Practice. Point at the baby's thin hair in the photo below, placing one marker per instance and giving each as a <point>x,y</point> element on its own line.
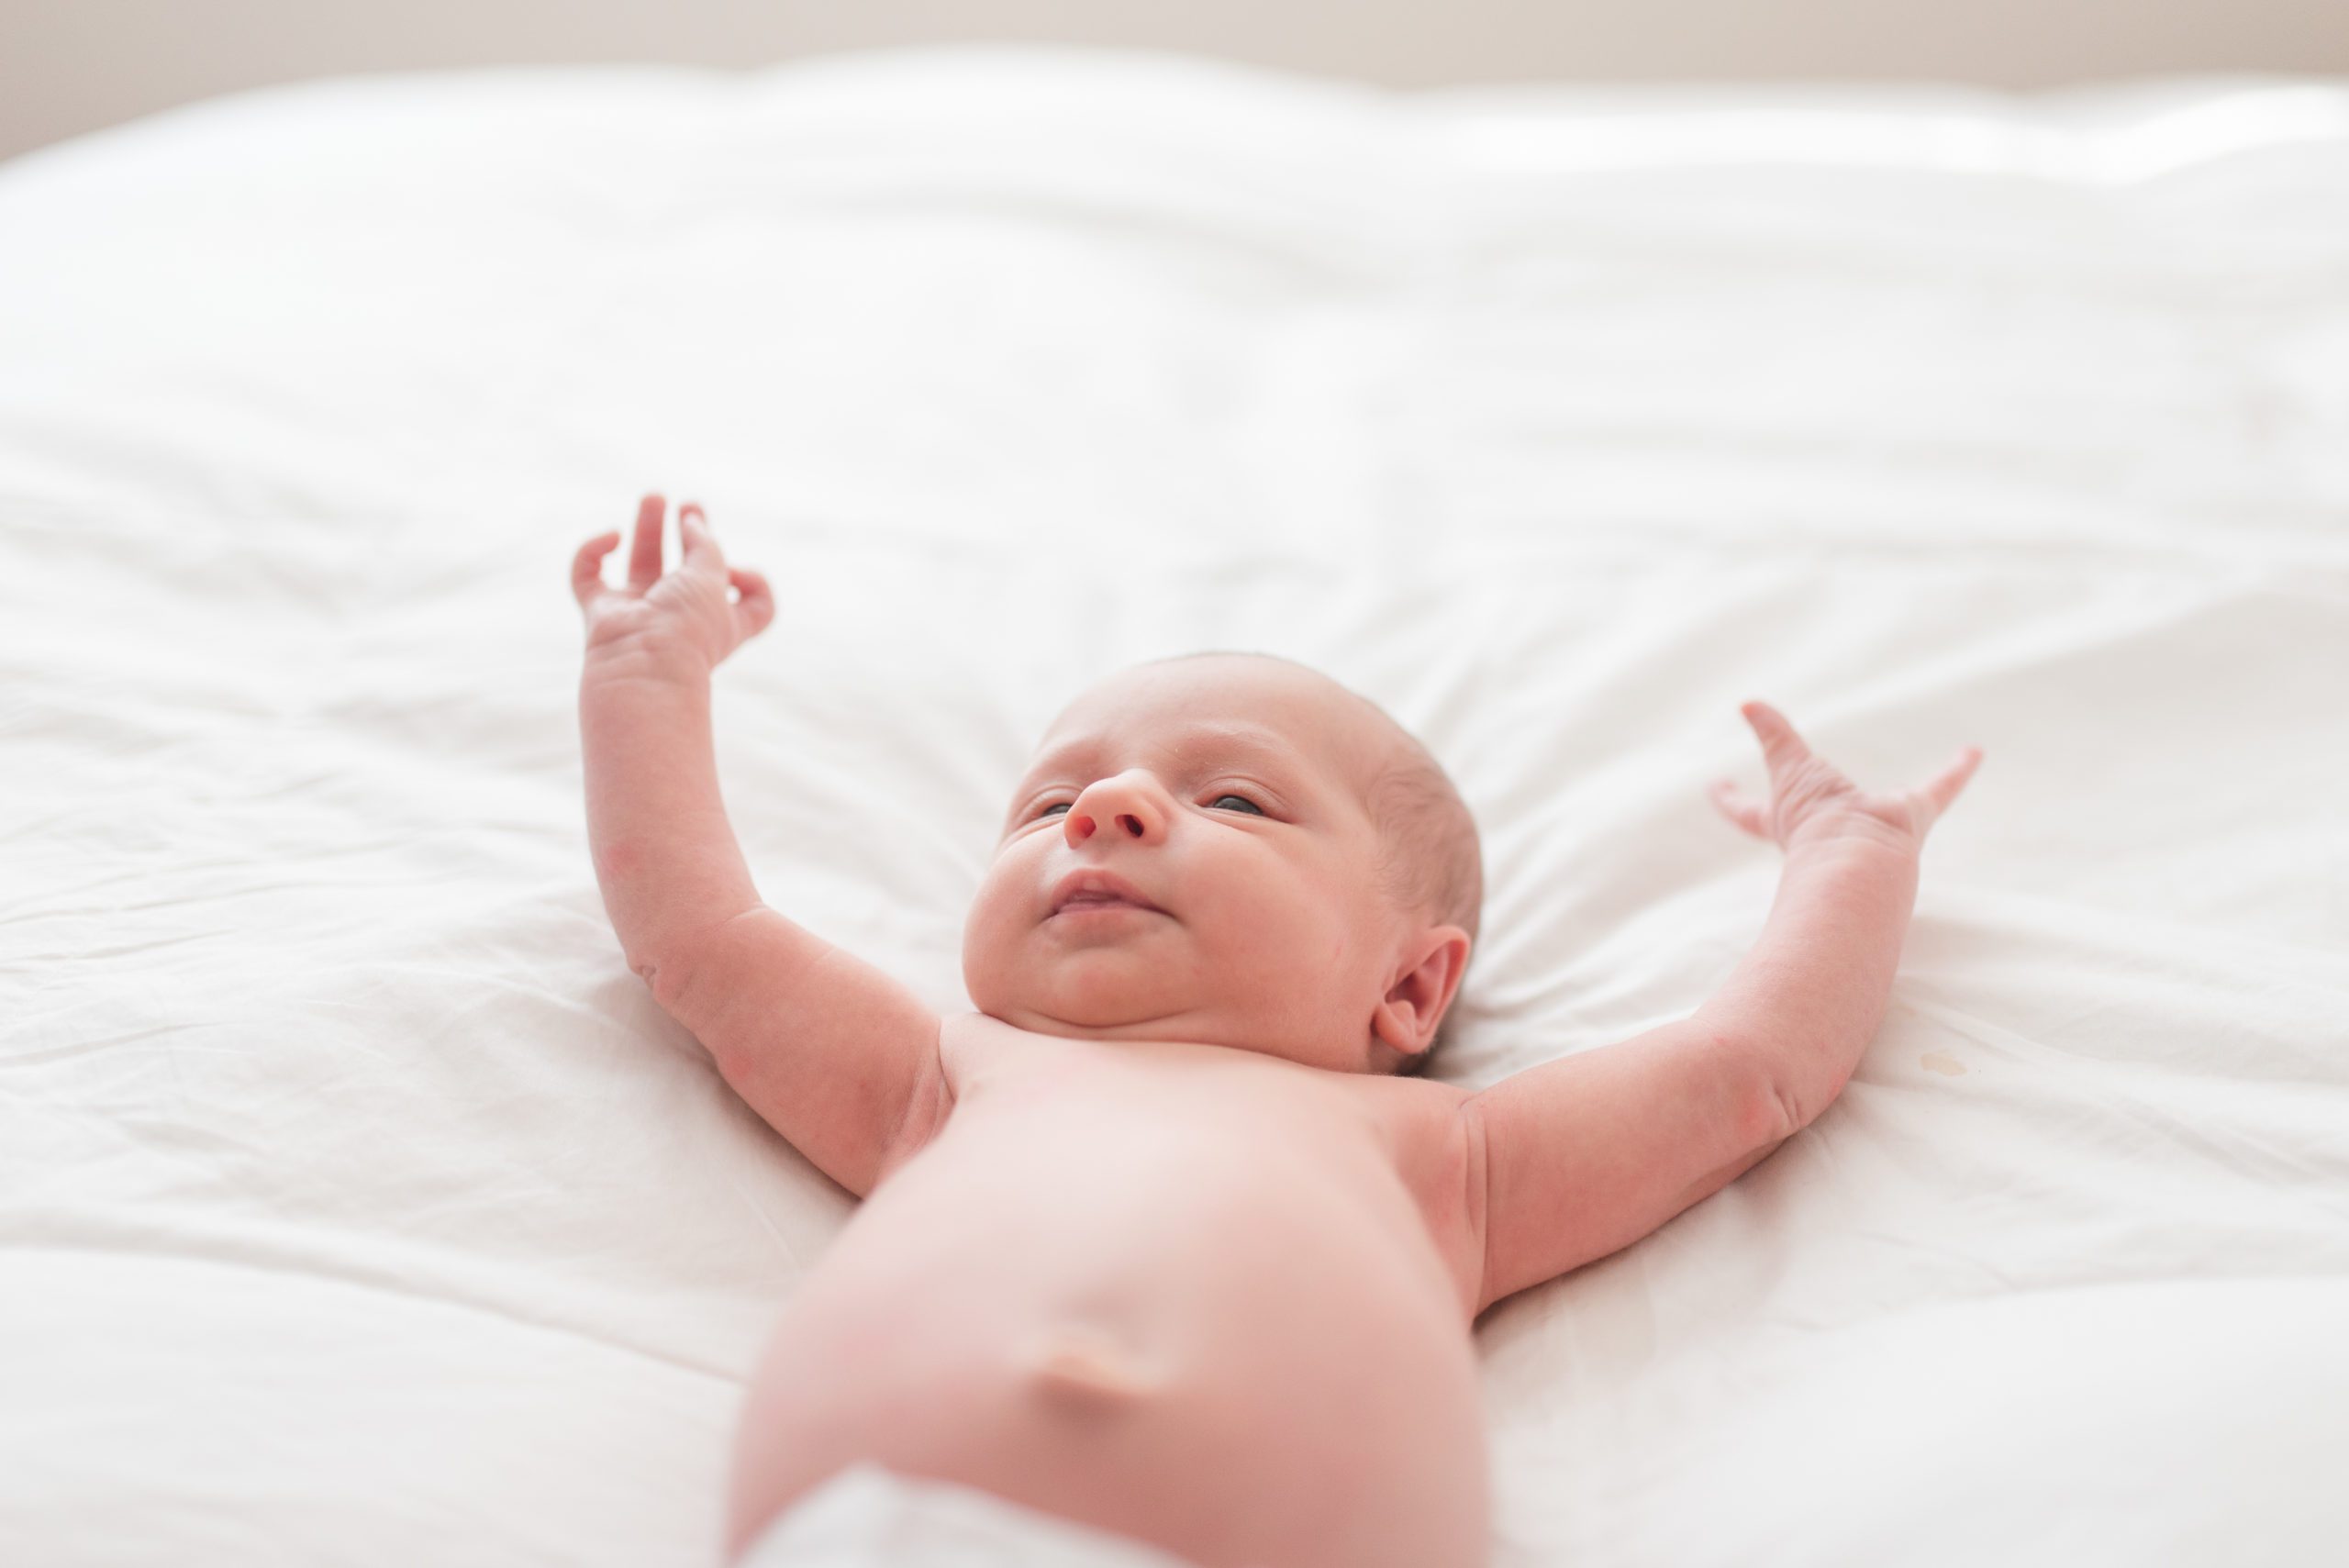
<point>1431,859</point>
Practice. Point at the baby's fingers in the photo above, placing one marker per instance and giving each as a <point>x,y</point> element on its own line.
<point>702,552</point>
<point>1735,806</point>
<point>644,557</point>
<point>587,569</point>
<point>1782,749</point>
<point>756,609</point>
<point>1952,779</point>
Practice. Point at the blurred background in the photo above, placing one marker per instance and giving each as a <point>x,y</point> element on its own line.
<point>79,65</point>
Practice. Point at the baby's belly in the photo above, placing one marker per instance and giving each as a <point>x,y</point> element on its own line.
<point>1242,1350</point>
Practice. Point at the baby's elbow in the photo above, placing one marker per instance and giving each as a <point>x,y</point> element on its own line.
<point>1785,1114</point>
<point>1796,1102</point>
<point>647,970</point>
<point>666,975</point>
<point>1760,1104</point>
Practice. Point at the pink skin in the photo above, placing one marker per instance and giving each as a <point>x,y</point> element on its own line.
<point>690,606</point>
<point>1190,1295</point>
<point>1811,800</point>
<point>1273,933</point>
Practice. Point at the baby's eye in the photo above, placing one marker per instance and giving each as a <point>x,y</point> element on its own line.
<point>1056,806</point>
<point>1243,799</point>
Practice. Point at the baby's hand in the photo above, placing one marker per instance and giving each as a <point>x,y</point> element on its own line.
<point>687,609</point>
<point>1811,801</point>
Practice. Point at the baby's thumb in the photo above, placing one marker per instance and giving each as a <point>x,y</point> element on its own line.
<point>1933,801</point>
<point>1735,806</point>
<point>757,603</point>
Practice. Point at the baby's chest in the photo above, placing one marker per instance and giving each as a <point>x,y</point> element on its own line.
<point>1134,1281</point>
<point>1210,1153</point>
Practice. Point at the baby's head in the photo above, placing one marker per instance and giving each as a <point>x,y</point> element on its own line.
<point>1314,878</point>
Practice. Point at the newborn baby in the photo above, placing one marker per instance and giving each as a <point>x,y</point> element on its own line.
<point>1168,1238</point>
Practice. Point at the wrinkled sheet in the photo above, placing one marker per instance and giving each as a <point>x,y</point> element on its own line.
<point>358,1206</point>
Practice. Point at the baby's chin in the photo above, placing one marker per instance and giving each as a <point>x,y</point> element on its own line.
<point>1105,1013</point>
<point>1095,996</point>
<point>1094,1013</point>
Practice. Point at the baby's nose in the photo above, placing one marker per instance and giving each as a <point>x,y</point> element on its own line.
<point>1123,805</point>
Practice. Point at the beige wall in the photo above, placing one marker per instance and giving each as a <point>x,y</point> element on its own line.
<point>75,65</point>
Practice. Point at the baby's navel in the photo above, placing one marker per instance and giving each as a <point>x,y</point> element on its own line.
<point>1085,1365</point>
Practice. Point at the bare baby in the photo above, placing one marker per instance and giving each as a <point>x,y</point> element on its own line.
<point>1168,1238</point>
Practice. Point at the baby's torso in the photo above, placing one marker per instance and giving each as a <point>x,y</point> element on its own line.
<point>1199,1298</point>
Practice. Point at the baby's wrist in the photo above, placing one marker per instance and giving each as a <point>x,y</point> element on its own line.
<point>640,657</point>
<point>1841,830</point>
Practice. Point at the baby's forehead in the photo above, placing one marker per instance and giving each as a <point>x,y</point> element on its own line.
<point>1316,721</point>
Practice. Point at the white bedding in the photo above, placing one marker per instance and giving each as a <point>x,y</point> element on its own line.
<point>358,1206</point>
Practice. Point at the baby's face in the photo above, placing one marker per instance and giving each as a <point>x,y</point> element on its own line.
<point>1229,792</point>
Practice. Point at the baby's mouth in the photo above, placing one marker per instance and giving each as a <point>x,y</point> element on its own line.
<point>1086,903</point>
<point>1090,893</point>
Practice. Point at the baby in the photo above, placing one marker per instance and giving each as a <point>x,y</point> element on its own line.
<point>1169,1239</point>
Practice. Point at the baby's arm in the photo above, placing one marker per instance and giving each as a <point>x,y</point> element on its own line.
<point>1586,1154</point>
<point>836,1056</point>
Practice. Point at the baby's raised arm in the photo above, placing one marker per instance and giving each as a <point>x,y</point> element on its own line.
<point>1586,1154</point>
<point>836,1056</point>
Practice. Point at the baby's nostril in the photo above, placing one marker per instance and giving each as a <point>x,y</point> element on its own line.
<point>1131,824</point>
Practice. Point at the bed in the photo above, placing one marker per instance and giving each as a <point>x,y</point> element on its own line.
<point>359,1205</point>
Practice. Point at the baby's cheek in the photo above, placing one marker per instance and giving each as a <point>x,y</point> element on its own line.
<point>1271,937</point>
<point>984,958</point>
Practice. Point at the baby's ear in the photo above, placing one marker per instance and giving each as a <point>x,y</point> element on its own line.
<point>1419,994</point>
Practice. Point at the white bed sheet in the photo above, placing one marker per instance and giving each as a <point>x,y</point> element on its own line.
<point>358,1206</point>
